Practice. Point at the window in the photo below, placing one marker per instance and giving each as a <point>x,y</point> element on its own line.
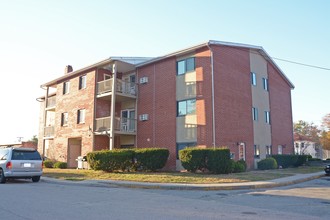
<point>66,87</point>
<point>254,114</point>
<point>268,151</point>
<point>279,149</point>
<point>81,116</point>
<point>265,83</point>
<point>253,79</point>
<point>64,119</point>
<point>186,65</point>
<point>256,151</point>
<point>267,117</point>
<point>181,146</point>
<point>186,107</point>
<point>82,82</point>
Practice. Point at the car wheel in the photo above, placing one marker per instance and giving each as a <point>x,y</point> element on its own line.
<point>2,177</point>
<point>35,179</point>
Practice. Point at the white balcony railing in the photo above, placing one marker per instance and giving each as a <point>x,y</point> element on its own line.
<point>121,124</point>
<point>127,88</point>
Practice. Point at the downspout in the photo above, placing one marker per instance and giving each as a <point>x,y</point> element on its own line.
<point>212,86</point>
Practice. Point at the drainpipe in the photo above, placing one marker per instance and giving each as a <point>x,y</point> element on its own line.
<point>213,113</point>
<point>113,108</point>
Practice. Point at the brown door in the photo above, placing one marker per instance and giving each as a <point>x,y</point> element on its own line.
<point>74,151</point>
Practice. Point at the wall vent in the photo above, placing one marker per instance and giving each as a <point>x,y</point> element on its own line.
<point>144,117</point>
<point>143,80</point>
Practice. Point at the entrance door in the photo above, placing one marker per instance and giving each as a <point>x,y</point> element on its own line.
<point>74,151</point>
<point>128,120</point>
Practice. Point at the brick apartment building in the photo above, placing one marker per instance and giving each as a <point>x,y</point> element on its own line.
<point>213,94</point>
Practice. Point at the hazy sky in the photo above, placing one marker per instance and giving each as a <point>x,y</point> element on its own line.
<point>38,38</point>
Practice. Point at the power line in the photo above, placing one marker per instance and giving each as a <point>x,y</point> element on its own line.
<point>303,64</point>
<point>289,61</point>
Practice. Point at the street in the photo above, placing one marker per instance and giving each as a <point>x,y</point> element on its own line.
<point>22,199</point>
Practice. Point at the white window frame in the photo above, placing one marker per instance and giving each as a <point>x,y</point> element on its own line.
<point>254,114</point>
<point>267,117</point>
<point>66,87</point>
<point>265,83</point>
<point>82,82</point>
<point>253,78</point>
<point>81,116</point>
<point>64,119</point>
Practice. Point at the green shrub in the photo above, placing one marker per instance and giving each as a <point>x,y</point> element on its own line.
<point>193,159</point>
<point>60,165</point>
<point>218,161</point>
<point>267,164</point>
<point>147,159</point>
<point>314,159</point>
<point>286,160</point>
<point>301,160</point>
<point>151,159</point>
<point>48,163</point>
<point>238,166</point>
<point>109,161</point>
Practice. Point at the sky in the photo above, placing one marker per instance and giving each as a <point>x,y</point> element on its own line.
<point>38,38</point>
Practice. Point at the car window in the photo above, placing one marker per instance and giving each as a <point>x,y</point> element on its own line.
<point>3,154</point>
<point>25,155</point>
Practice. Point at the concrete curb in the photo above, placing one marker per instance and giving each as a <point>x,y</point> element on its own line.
<point>298,178</point>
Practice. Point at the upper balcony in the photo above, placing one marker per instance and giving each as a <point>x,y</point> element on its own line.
<point>51,103</point>
<point>124,89</point>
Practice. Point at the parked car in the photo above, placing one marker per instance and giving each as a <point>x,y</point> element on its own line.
<point>20,163</point>
<point>327,169</point>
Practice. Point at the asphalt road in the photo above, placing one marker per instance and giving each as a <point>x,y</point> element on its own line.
<point>22,199</point>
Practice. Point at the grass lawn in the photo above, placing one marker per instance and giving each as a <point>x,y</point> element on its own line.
<point>176,177</point>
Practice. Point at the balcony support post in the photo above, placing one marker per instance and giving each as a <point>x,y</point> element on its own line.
<point>45,118</point>
<point>113,108</point>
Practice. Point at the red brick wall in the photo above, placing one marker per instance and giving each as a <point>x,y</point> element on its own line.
<point>73,101</point>
<point>158,99</point>
<point>281,111</point>
<point>233,99</point>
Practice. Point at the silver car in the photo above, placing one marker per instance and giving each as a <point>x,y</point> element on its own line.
<point>20,163</point>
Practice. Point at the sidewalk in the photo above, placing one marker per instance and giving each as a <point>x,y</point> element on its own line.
<point>298,178</point>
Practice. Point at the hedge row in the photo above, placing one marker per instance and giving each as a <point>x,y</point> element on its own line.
<point>149,159</point>
<point>285,160</point>
<point>215,160</point>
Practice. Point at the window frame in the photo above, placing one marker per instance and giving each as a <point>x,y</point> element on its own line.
<point>269,150</point>
<point>256,151</point>
<point>185,66</point>
<point>253,79</point>
<point>81,120</point>
<point>255,114</point>
<point>267,117</point>
<point>64,119</point>
<point>265,84</point>
<point>82,82</point>
<point>66,87</point>
<point>187,110</point>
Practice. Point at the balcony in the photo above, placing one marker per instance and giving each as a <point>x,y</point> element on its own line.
<point>49,131</point>
<point>123,88</point>
<point>122,125</point>
<point>51,103</point>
